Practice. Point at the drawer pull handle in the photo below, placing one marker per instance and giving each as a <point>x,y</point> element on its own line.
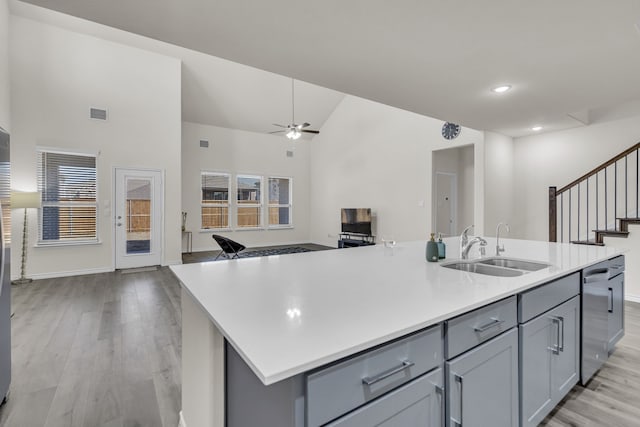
<point>386,374</point>
<point>494,322</point>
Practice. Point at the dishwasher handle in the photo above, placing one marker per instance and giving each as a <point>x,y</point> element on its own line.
<point>599,275</point>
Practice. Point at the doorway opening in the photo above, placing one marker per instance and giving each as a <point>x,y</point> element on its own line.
<point>453,190</point>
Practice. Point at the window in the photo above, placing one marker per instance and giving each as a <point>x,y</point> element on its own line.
<point>69,197</point>
<point>249,201</point>
<point>215,201</point>
<point>279,202</point>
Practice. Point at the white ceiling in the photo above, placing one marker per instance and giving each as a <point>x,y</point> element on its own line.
<point>434,57</point>
<point>216,91</point>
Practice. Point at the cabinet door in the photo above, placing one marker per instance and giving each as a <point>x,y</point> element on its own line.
<point>565,363</point>
<point>549,360</point>
<point>482,384</point>
<point>616,310</point>
<point>419,403</point>
<point>537,340</point>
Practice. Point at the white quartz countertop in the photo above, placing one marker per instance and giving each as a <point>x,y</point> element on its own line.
<point>288,314</point>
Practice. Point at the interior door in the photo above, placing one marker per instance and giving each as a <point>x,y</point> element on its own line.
<point>446,203</point>
<point>138,218</point>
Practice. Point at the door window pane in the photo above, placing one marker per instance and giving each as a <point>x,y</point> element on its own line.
<point>138,215</point>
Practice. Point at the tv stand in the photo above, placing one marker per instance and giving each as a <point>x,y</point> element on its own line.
<point>351,240</point>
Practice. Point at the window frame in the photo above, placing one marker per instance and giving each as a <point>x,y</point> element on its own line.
<point>67,242</point>
<point>259,204</point>
<point>279,205</point>
<point>229,202</point>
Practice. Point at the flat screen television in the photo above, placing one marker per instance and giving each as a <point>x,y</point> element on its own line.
<point>356,221</point>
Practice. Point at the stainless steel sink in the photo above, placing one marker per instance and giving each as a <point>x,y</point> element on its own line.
<point>518,264</point>
<point>489,270</point>
<point>497,266</point>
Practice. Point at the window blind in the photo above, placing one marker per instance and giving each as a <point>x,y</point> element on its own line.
<point>69,197</point>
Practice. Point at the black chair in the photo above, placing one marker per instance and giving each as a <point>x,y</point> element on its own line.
<point>229,248</point>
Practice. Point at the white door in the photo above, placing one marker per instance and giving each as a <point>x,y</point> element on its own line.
<point>138,217</point>
<point>446,186</point>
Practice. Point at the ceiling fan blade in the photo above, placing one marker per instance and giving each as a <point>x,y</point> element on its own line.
<point>278,131</point>
<point>305,124</point>
<point>282,126</point>
<point>310,131</point>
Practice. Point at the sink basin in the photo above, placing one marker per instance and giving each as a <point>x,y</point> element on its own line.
<point>514,263</point>
<point>489,270</point>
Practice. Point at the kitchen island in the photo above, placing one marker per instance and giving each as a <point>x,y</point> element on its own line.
<point>285,316</point>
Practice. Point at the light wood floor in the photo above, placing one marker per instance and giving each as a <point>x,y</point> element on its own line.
<point>104,351</point>
<point>98,351</point>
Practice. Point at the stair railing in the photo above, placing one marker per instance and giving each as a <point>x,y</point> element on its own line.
<point>570,207</point>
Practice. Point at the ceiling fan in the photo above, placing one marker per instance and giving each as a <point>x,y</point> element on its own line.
<point>293,130</point>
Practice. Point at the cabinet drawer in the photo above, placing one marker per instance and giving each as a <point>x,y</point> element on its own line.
<point>417,404</point>
<point>543,298</point>
<point>344,386</point>
<point>470,329</point>
<point>616,265</point>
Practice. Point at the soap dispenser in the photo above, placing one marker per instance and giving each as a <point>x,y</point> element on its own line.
<point>432,249</point>
<point>442,249</point>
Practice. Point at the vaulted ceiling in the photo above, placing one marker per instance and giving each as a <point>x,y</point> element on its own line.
<point>439,58</point>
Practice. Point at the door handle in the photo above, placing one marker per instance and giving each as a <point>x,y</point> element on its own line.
<point>459,379</point>
<point>555,348</point>
<point>610,300</point>
<point>119,224</point>
<point>440,391</point>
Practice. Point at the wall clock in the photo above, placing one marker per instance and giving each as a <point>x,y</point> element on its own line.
<point>450,130</point>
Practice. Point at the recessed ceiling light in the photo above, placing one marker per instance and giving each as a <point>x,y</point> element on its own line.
<point>536,128</point>
<point>501,89</point>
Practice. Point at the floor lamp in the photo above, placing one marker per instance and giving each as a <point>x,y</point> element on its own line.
<point>24,200</point>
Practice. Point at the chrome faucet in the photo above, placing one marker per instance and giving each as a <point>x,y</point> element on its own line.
<point>498,247</point>
<point>464,239</point>
<point>467,247</point>
<point>466,244</point>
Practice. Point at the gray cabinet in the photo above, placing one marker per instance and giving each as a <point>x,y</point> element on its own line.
<point>419,403</point>
<point>482,384</point>
<point>616,310</point>
<point>549,360</point>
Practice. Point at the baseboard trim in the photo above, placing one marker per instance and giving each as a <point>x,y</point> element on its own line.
<point>181,422</point>
<point>632,298</point>
<point>56,274</point>
<point>173,262</point>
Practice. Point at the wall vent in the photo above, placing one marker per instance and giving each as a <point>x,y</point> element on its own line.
<point>204,144</point>
<point>98,114</point>
<point>289,153</point>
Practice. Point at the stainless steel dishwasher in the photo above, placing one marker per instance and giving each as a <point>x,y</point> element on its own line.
<point>595,315</point>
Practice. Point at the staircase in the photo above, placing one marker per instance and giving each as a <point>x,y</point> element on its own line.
<point>602,202</point>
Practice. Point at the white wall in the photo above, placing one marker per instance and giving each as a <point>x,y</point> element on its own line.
<point>556,159</point>
<point>372,155</point>
<point>240,152</point>
<point>56,76</point>
<point>499,183</point>
<point>4,65</point>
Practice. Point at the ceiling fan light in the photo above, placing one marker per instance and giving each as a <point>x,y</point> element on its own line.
<point>293,133</point>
